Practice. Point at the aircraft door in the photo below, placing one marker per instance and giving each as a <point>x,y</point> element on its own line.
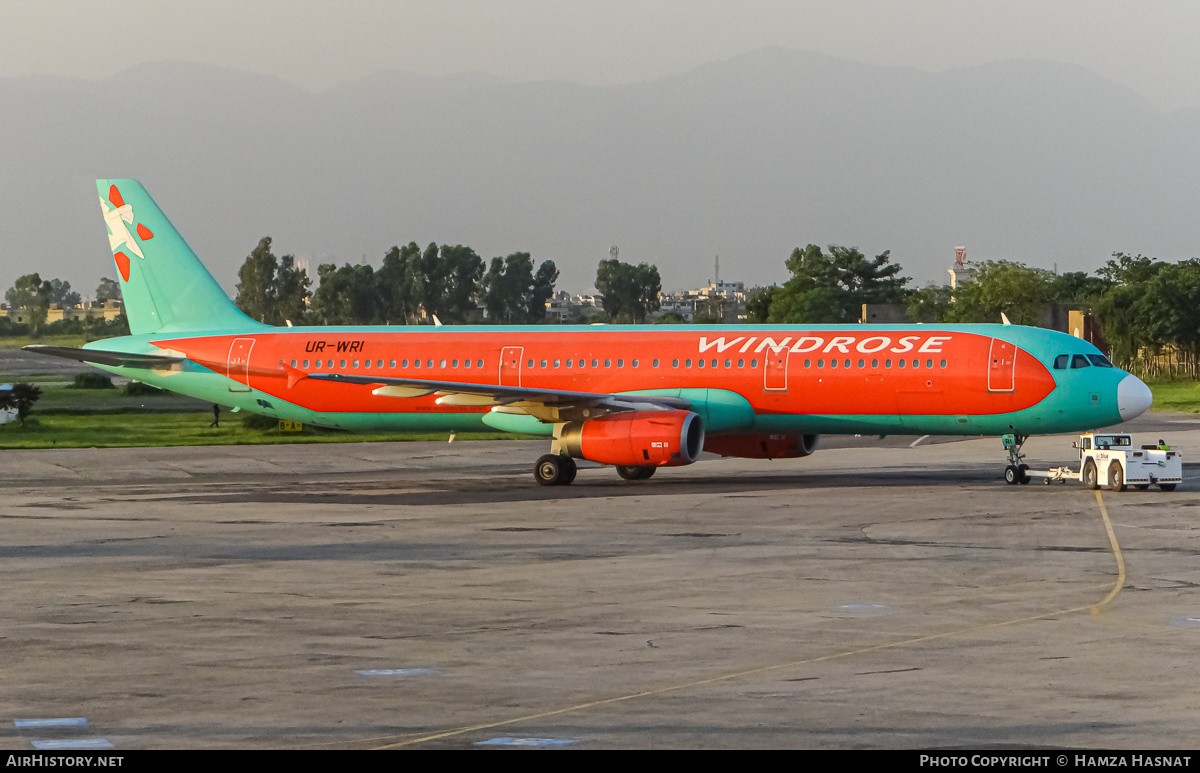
<point>775,365</point>
<point>238,367</point>
<point>1002,366</point>
<point>510,365</point>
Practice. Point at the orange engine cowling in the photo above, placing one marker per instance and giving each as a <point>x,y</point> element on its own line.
<point>765,446</point>
<point>637,438</point>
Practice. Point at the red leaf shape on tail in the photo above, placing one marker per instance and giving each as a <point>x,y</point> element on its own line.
<point>122,264</point>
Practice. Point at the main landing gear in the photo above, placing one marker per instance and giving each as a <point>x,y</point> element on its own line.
<point>1017,472</point>
<point>554,470</point>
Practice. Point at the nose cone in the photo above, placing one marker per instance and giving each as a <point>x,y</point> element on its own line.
<point>1133,398</point>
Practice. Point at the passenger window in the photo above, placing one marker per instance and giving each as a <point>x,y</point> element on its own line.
<point>441,364</point>
<point>847,363</point>
<point>391,363</point>
<point>655,363</point>
<point>900,363</point>
<point>454,364</point>
<point>634,363</point>
<point>742,364</point>
<point>699,363</point>
<point>943,363</point>
<point>543,363</point>
<point>429,363</point>
<point>608,363</point>
<point>479,363</point>
<point>356,363</point>
<point>366,363</point>
<point>862,364</point>
<point>343,364</point>
<point>887,363</point>
<point>874,363</point>
<point>929,364</point>
<point>674,363</point>
<point>620,363</point>
<point>833,363</point>
<point>293,363</point>
<point>820,363</point>
<point>754,363</point>
<point>417,363</point>
<point>714,363</point>
<point>556,363</point>
<point>570,363</point>
<point>1060,362</point>
<point>687,363</point>
<point>916,363</point>
<point>466,363</point>
<point>1079,361</point>
<point>306,363</point>
<point>530,364</point>
<point>379,364</point>
<point>595,363</point>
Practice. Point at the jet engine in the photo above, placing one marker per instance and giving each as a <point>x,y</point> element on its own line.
<point>637,438</point>
<point>761,446</point>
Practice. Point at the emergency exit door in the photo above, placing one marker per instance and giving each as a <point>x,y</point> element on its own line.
<point>1002,364</point>
<point>775,364</point>
<point>238,367</point>
<point>510,365</point>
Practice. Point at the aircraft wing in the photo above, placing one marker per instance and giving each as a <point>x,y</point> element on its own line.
<point>115,359</point>
<point>544,404</point>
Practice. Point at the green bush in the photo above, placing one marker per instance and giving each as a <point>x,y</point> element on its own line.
<point>92,380</point>
<point>141,389</point>
<point>257,421</point>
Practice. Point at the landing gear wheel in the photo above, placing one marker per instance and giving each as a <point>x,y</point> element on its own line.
<point>1090,478</point>
<point>635,473</point>
<point>1024,470</point>
<point>1116,477</point>
<point>570,469</point>
<point>552,470</point>
<point>1167,486</point>
<point>1012,474</point>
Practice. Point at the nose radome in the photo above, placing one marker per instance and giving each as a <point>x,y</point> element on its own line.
<point>1133,398</point>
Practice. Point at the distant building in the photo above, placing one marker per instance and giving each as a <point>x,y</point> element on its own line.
<point>101,310</point>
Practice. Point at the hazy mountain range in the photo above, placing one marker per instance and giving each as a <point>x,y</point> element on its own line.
<point>747,158</point>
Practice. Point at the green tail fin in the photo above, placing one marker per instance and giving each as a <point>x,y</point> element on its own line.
<point>165,286</point>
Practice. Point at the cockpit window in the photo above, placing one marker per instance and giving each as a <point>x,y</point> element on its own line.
<point>1062,362</point>
<point>1100,361</point>
<point>1080,361</point>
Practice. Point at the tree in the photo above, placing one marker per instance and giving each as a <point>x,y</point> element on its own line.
<point>22,397</point>
<point>930,303</point>
<point>630,292</point>
<point>1003,287</point>
<point>60,293</point>
<point>256,282</point>
<point>1121,308</point>
<point>291,292</point>
<point>270,289</point>
<point>513,293</point>
<point>108,290</point>
<point>832,286</point>
<point>461,269</point>
<point>32,296</point>
<point>399,284</point>
<point>346,296</point>
<point>758,304</point>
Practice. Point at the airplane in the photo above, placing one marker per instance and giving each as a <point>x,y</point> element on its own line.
<point>635,397</point>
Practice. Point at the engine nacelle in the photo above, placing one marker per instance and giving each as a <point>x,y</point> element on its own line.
<point>761,446</point>
<point>637,438</point>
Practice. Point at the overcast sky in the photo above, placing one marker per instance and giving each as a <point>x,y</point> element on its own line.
<point>1149,46</point>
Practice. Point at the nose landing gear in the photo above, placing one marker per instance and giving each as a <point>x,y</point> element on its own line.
<point>1017,472</point>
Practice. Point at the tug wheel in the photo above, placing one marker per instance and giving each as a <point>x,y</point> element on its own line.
<point>1116,477</point>
<point>1090,478</point>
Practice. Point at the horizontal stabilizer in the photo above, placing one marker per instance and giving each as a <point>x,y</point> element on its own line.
<point>115,359</point>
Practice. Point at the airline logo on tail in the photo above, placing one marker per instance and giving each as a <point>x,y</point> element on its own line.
<point>117,219</point>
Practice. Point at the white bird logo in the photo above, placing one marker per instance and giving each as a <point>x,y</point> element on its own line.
<point>118,234</point>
